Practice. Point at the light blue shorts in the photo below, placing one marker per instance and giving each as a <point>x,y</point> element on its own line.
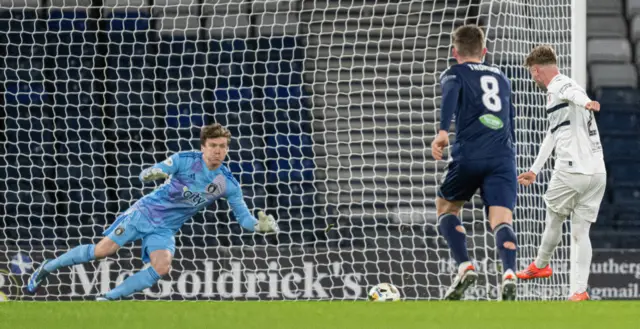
<point>132,226</point>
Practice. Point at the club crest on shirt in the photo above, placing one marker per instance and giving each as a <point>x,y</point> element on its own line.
<point>212,188</point>
<point>217,187</point>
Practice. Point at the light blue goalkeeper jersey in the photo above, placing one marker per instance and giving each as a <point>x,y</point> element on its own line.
<point>190,188</point>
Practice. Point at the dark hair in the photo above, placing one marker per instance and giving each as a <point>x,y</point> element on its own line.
<point>541,55</point>
<point>214,130</point>
<point>468,40</point>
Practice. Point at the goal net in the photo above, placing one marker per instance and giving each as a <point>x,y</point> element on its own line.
<point>332,105</point>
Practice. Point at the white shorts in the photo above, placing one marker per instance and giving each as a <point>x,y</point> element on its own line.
<point>576,193</point>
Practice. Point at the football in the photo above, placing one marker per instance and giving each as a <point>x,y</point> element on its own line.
<point>384,292</point>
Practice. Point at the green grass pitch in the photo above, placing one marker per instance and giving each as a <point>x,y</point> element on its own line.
<point>334,315</point>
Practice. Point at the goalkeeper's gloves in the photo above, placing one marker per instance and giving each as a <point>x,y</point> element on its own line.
<point>153,174</point>
<point>266,223</point>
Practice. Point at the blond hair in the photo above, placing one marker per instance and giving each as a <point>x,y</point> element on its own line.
<point>541,55</point>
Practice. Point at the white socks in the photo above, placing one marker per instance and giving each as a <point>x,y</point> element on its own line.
<point>550,238</point>
<point>581,252</point>
<point>581,262</point>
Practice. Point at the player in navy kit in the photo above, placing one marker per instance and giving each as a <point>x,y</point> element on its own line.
<point>194,180</point>
<point>482,157</point>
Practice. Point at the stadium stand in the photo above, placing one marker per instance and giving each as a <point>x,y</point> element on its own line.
<point>613,32</point>
<point>266,84</point>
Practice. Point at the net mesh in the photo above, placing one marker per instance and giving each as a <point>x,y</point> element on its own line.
<point>332,105</point>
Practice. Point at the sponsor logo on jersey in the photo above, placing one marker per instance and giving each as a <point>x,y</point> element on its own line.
<point>491,121</point>
<point>194,198</point>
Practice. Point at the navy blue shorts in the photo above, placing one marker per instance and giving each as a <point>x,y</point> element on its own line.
<point>497,180</point>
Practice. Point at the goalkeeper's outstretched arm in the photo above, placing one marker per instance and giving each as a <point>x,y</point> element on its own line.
<point>264,223</point>
<point>161,170</point>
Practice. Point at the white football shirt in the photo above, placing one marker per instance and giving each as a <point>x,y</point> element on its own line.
<point>572,130</point>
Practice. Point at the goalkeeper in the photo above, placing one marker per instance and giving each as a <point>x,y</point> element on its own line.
<point>194,180</point>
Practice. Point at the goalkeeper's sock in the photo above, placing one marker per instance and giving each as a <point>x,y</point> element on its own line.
<point>581,263</point>
<point>550,238</point>
<point>457,240</point>
<point>78,255</point>
<point>137,282</point>
<point>507,245</point>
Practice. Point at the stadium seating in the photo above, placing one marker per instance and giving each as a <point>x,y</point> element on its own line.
<point>613,56</point>
<point>165,85</point>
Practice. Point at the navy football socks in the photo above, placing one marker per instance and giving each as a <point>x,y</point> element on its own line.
<point>457,240</point>
<point>504,234</point>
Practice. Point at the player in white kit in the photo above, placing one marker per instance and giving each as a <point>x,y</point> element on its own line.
<point>579,178</point>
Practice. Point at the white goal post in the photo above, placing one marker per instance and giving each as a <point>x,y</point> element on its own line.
<point>332,103</point>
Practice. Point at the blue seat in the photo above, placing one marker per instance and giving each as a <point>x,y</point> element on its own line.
<point>618,95</point>
<point>67,20</point>
<point>5,18</point>
<point>290,158</point>
<point>27,131</point>
<point>289,146</point>
<point>73,93</point>
<point>284,97</point>
<point>285,48</point>
<point>68,174</point>
<point>227,51</point>
<point>619,147</point>
<point>30,168</point>
<point>26,70</point>
<point>185,115</point>
<point>128,34</point>
<point>127,67</point>
<point>68,70</point>
<point>623,121</point>
<point>624,195</point>
<point>255,196</point>
<point>246,148</point>
<point>25,93</point>
<point>239,124</point>
<point>131,20</point>
<point>184,109</point>
<point>93,201</point>
<point>291,170</point>
<point>19,20</point>
<point>248,172</point>
<point>296,195</point>
<point>624,173</point>
<point>232,99</point>
<point>183,58</point>
<point>281,61</point>
<point>183,139</point>
<point>63,41</point>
